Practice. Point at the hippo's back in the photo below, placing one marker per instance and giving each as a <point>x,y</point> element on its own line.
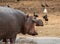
<point>9,22</point>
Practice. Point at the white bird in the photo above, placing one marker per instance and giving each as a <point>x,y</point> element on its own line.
<point>45,11</point>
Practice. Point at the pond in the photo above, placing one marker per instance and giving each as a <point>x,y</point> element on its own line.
<point>38,40</point>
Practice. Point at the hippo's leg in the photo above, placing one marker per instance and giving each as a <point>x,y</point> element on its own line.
<point>4,41</point>
<point>12,40</point>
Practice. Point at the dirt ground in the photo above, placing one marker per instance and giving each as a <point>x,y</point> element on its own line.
<point>52,28</point>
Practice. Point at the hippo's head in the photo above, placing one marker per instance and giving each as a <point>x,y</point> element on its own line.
<point>30,24</point>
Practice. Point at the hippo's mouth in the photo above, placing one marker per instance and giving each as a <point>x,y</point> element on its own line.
<point>33,33</point>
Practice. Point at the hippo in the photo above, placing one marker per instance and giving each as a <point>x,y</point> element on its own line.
<point>13,22</point>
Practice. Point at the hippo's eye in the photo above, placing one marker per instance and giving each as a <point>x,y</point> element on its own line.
<point>33,20</point>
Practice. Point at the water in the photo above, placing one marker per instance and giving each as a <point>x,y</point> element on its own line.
<point>38,40</point>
